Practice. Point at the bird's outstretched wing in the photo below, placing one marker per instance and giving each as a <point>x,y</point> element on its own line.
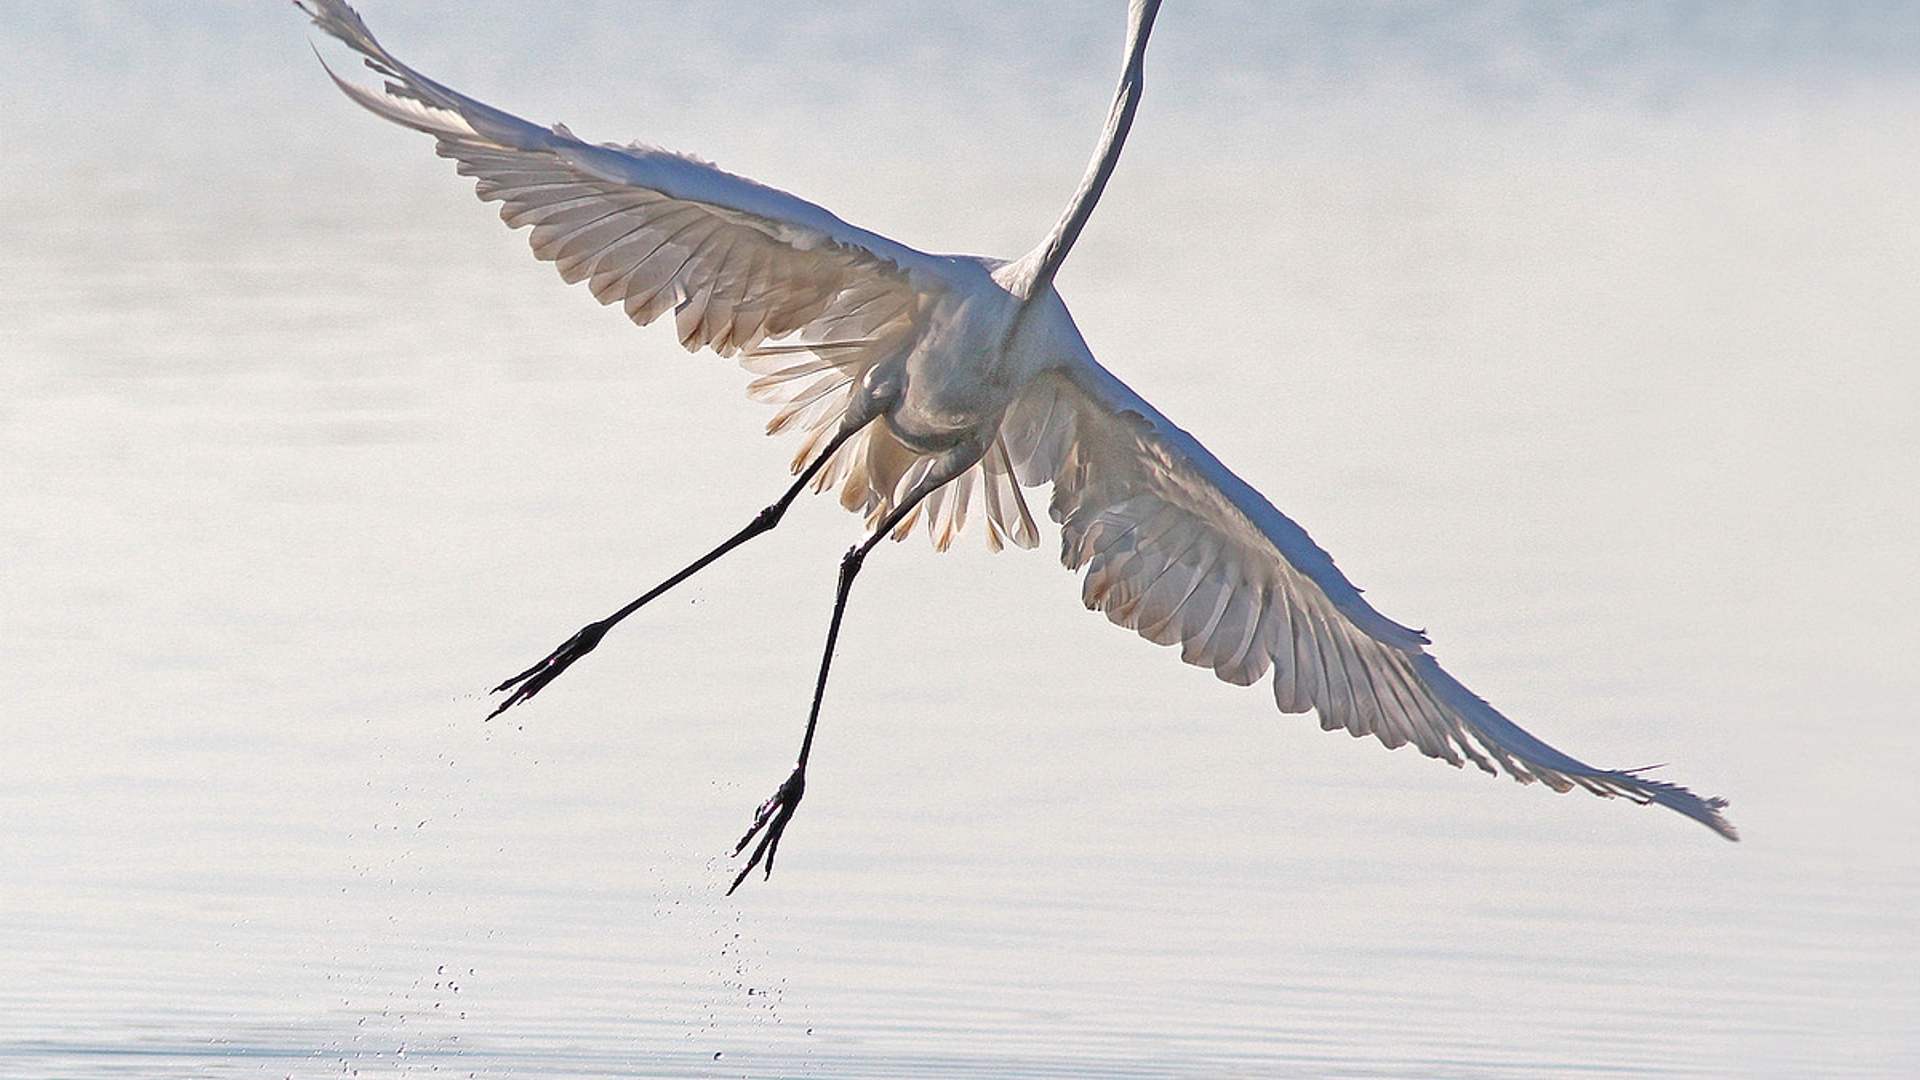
<point>1183,551</point>
<point>804,300</point>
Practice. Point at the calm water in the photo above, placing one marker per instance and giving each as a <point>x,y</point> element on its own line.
<point>1584,339</point>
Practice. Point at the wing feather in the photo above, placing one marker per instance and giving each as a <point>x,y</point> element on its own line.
<point>747,270</point>
<point>1176,547</point>
<point>1162,600</point>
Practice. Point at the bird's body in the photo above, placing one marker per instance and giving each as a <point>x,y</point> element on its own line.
<point>940,387</point>
<point>949,386</point>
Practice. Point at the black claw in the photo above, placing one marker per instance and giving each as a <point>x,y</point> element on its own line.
<point>535,678</point>
<point>772,816</point>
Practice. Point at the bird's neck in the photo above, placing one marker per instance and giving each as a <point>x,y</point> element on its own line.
<point>1030,276</point>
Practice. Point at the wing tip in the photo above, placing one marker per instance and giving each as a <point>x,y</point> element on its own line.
<point>1704,809</point>
<point>1633,784</point>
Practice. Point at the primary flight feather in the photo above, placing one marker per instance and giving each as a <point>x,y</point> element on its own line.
<point>937,388</point>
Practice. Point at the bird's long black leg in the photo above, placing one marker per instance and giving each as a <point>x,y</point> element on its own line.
<point>534,679</point>
<point>770,821</point>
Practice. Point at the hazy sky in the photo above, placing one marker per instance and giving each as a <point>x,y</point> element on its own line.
<point>178,68</point>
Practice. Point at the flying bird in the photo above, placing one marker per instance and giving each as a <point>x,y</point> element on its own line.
<point>938,389</point>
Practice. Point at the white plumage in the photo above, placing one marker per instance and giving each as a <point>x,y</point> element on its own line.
<point>943,385</point>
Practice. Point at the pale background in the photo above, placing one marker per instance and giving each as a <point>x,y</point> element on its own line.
<point>1583,335</point>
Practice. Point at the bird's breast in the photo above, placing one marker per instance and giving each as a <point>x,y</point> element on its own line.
<point>960,376</point>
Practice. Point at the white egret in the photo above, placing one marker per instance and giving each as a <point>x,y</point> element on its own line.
<point>937,387</point>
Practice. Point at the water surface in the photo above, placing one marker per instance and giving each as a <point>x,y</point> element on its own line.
<point>1583,340</point>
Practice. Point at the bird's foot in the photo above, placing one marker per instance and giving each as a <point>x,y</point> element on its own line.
<point>772,817</point>
<point>534,679</point>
